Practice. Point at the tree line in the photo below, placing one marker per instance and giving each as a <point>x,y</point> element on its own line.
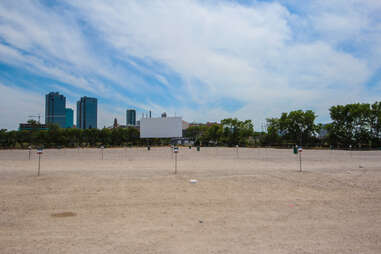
<point>356,125</point>
<point>71,137</point>
<point>352,125</point>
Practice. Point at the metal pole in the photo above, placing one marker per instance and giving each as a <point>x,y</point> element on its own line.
<point>300,161</point>
<point>175,163</point>
<point>350,150</point>
<point>39,164</point>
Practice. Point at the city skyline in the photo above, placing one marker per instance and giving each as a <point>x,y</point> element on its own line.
<point>245,59</point>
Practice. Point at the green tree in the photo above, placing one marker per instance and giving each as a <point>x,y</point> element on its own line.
<point>296,127</point>
<point>235,132</point>
<point>351,124</point>
<point>194,132</point>
<point>273,132</point>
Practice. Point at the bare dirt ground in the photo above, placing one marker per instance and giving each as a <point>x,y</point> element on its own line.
<point>255,201</point>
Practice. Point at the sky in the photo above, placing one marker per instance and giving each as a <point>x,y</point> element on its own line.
<point>204,60</point>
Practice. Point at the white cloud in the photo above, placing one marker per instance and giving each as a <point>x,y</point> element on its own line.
<point>262,54</point>
<point>247,53</point>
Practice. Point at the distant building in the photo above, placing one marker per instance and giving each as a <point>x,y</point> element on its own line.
<point>185,125</point>
<point>69,118</point>
<point>131,117</point>
<point>55,105</point>
<point>87,113</point>
<point>28,126</point>
<point>194,124</point>
<point>201,124</point>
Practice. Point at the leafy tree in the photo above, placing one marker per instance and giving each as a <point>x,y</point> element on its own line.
<point>296,127</point>
<point>236,132</point>
<point>356,124</point>
<point>273,132</point>
<point>193,132</point>
<point>3,138</point>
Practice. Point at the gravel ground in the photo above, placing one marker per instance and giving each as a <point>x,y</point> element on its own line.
<point>245,201</point>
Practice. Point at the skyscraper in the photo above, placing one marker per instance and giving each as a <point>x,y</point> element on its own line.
<point>69,118</point>
<point>87,113</point>
<point>55,105</point>
<point>131,117</point>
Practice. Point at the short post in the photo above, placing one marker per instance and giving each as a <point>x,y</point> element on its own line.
<point>236,147</point>
<point>350,150</point>
<point>102,147</point>
<point>39,152</point>
<point>30,151</point>
<point>300,158</point>
<point>176,150</point>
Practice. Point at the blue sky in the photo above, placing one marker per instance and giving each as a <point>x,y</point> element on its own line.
<point>202,59</point>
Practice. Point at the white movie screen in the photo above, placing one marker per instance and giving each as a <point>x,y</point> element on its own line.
<point>166,127</point>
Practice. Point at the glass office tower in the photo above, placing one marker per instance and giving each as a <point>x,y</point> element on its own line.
<point>69,118</point>
<point>55,105</point>
<point>131,117</point>
<point>87,113</point>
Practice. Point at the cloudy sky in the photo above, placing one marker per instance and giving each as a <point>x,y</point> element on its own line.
<point>202,59</point>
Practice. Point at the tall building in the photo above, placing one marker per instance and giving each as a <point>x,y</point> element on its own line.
<point>69,118</point>
<point>55,105</point>
<point>87,113</point>
<point>131,117</point>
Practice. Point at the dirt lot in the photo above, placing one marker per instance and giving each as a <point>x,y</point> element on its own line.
<point>253,201</point>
